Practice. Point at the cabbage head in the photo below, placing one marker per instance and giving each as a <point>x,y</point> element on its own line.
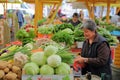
<point>46,70</point>
<point>31,68</point>
<point>29,46</point>
<point>63,69</point>
<point>49,50</point>
<point>68,30</point>
<point>39,58</point>
<point>54,60</point>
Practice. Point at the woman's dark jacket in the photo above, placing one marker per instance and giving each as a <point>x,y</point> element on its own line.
<point>99,56</point>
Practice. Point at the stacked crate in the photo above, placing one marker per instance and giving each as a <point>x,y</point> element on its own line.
<point>117,56</point>
<point>1,33</point>
<point>4,33</point>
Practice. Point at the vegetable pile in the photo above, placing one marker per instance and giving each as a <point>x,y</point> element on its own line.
<point>40,22</point>
<point>79,35</point>
<point>45,30</point>
<point>24,36</point>
<point>9,71</point>
<point>60,27</point>
<point>10,54</point>
<point>63,36</point>
<point>49,62</point>
<point>105,33</point>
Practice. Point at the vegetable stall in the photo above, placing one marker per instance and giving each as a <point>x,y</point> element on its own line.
<point>37,56</point>
<point>47,54</point>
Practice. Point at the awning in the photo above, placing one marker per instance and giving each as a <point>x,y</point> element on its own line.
<point>10,1</point>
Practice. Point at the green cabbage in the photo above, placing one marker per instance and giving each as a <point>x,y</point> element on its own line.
<point>63,69</point>
<point>29,46</point>
<point>68,30</point>
<point>39,58</point>
<point>54,60</point>
<point>46,70</point>
<point>31,68</point>
<point>49,50</point>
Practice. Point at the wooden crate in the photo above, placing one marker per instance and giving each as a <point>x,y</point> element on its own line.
<point>1,33</point>
<point>117,56</point>
<point>4,33</point>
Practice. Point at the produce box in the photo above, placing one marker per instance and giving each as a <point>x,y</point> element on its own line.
<point>44,35</point>
<point>112,51</point>
<point>115,33</point>
<point>48,77</point>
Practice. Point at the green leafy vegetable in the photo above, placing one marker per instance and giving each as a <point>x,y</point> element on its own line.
<point>79,35</point>
<point>66,56</point>
<point>60,37</point>
<point>25,37</point>
<point>68,30</point>
<point>60,27</point>
<point>105,33</point>
<point>11,54</point>
<point>31,33</point>
<point>40,22</point>
<point>45,30</point>
<point>21,34</point>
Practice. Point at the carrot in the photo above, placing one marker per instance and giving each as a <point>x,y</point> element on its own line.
<point>37,50</point>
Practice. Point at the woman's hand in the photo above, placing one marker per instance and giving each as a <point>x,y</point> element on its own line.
<point>78,63</point>
<point>80,59</point>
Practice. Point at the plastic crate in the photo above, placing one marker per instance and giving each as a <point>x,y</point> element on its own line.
<point>115,33</point>
<point>46,77</point>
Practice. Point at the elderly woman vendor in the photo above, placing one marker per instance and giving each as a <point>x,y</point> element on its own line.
<point>96,54</point>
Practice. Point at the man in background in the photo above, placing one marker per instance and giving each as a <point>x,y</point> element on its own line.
<point>75,21</point>
<point>20,18</point>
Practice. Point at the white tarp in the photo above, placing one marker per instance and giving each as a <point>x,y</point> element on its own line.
<point>78,5</point>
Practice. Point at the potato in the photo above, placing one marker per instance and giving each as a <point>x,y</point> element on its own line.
<point>1,74</point>
<point>16,69</point>
<point>19,75</point>
<point>9,66</point>
<point>10,76</point>
<point>18,79</point>
<point>18,63</point>
<point>6,70</point>
<point>3,65</point>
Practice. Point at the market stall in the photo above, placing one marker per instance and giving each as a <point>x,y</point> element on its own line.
<point>46,52</point>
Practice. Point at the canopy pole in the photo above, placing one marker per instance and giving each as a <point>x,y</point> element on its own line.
<point>101,12</point>
<point>108,11</point>
<point>117,10</point>
<point>51,20</point>
<point>38,13</point>
<point>93,17</point>
<point>89,10</point>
